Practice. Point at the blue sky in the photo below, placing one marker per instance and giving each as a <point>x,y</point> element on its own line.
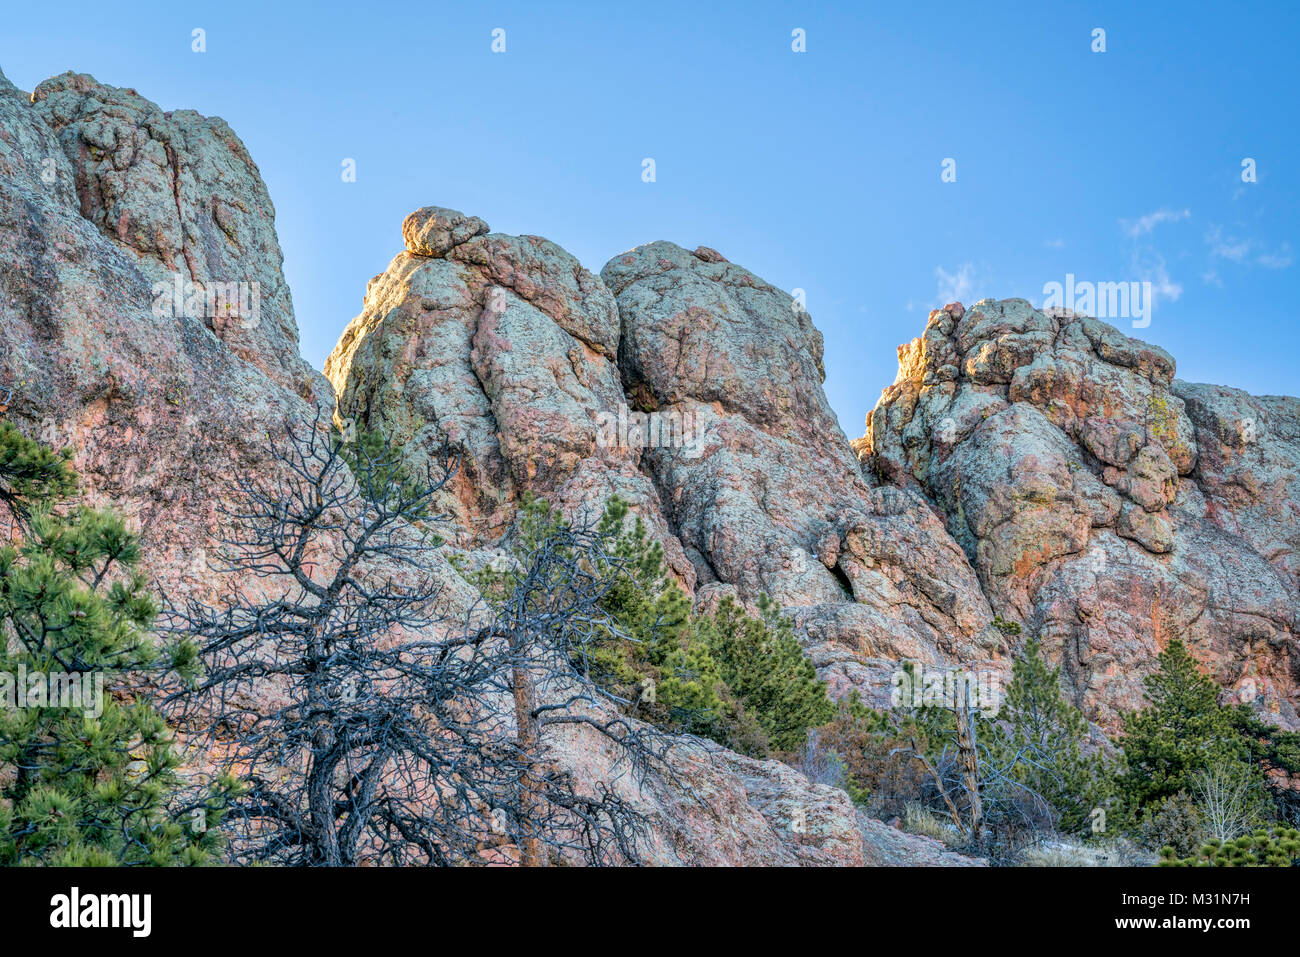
<point>818,170</point>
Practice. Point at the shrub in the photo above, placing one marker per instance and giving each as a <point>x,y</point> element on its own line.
<point>1231,798</point>
<point>1008,628</point>
<point>1275,847</point>
<point>878,776</point>
<point>1175,822</point>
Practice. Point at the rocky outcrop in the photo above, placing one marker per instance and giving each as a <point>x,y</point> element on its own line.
<point>103,197</point>
<point>506,346</point>
<point>1107,506</point>
<point>160,409</point>
<point>180,195</point>
<point>769,497</point>
<point>509,347</point>
<point>886,846</point>
<point>1041,468</point>
<point>1046,469</point>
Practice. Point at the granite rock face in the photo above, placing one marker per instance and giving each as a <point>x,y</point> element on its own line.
<point>1044,469</point>
<point>509,347</point>
<point>770,498</point>
<point>505,345</point>
<point>160,409</point>
<point>1106,505</point>
<point>179,193</point>
<point>164,406</point>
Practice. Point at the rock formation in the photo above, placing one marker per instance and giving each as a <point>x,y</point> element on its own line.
<point>1040,469</point>
<point>105,201</point>
<point>1106,506</point>
<point>161,404</point>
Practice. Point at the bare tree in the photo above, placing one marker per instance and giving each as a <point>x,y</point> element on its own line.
<point>975,781</point>
<point>1230,799</point>
<point>365,724</point>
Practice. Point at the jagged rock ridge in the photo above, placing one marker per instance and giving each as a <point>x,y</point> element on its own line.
<point>105,199</point>
<point>1045,469</point>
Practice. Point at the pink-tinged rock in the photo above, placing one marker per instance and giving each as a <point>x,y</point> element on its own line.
<point>180,195</point>
<point>506,345</point>
<point>1105,505</point>
<point>163,412</point>
<point>435,231</point>
<point>773,500</point>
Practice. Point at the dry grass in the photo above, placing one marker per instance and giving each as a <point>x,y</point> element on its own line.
<point>918,819</point>
<point>1063,852</point>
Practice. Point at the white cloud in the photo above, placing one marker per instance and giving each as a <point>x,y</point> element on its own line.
<point>1149,266</point>
<point>1145,260</point>
<point>955,286</point>
<point>1230,248</point>
<point>1162,286</point>
<point>1278,260</point>
<point>1246,251</point>
<point>1145,224</point>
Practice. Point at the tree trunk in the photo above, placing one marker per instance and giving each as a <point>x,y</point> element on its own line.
<point>968,758</point>
<point>528,737</point>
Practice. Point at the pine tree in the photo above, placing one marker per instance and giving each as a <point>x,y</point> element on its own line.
<point>763,664</point>
<point>741,680</point>
<point>655,615</point>
<point>379,466</point>
<point>1181,731</point>
<point>643,652</point>
<point>1036,721</point>
<point>86,776</point>
<point>31,473</point>
<point>1276,751</point>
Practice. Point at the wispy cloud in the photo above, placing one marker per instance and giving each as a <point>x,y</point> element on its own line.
<point>1246,251</point>
<point>1230,248</point>
<point>1145,224</point>
<point>1278,260</point>
<point>1162,286</point>
<point>956,286</point>
<point>1145,260</point>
